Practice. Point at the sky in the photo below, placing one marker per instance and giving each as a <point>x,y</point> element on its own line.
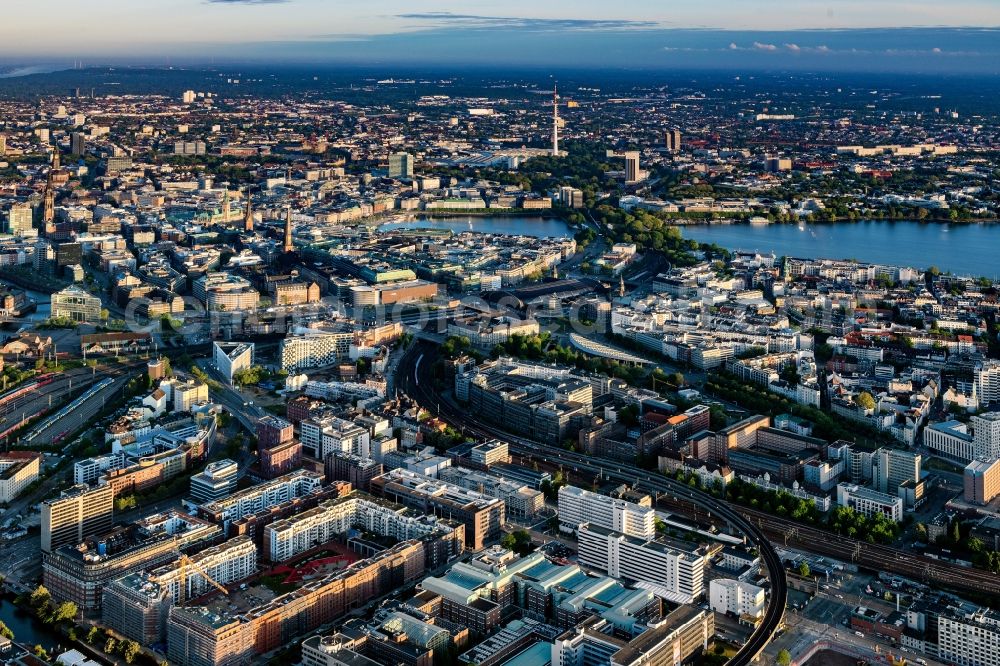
<point>935,35</point>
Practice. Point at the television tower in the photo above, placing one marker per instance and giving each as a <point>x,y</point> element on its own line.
<point>555,120</point>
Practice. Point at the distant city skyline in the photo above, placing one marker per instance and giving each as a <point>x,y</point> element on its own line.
<point>896,34</point>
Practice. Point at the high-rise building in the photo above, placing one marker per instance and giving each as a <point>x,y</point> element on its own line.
<point>400,165</point>
<point>188,97</point>
<point>987,382</point>
<point>632,166</point>
<point>892,467</point>
<point>673,140</point>
<point>20,219</point>
<point>3,145</point>
<point>78,513</point>
<point>555,121</point>
<point>986,436</point>
<point>982,481</point>
<point>78,143</point>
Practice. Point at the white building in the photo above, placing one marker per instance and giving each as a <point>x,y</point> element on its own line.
<point>986,436</point>
<point>90,470</point>
<point>869,502</point>
<point>972,640</point>
<point>321,437</point>
<point>680,573</point>
<point>727,595</point>
<point>951,439</point>
<point>232,357</point>
<point>314,349</point>
<point>289,537</point>
<point>216,481</point>
<point>228,562</point>
<point>987,382</point>
<point>263,496</point>
<point>577,505</point>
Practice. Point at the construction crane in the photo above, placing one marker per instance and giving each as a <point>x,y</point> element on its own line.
<point>186,562</point>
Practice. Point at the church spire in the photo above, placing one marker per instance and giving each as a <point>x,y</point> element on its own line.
<point>248,218</point>
<point>289,245</point>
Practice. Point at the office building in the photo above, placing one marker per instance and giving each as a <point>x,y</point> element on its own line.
<point>982,481</point>
<point>632,173</point>
<point>184,394</point>
<point>672,140</point>
<point>677,573</point>
<point>483,516</point>
<point>677,639</point>
<point>776,164</point>
<point>76,514</point>
<point>951,439</point>
<point>76,304</point>
<point>80,573</point>
<point>200,636</point>
<point>986,436</point>
<point>577,506</point>
<point>987,382</point>
<point>225,292</point>
<point>20,219</point>
<point>969,639</point>
<point>736,597</point>
<point>870,502</point>
<point>18,470</point>
<point>314,349</point>
<point>78,143</point>
<point>136,607</point>
<point>893,467</point>
<point>400,165</point>
<point>216,481</point>
<point>520,501</point>
<point>232,357</point>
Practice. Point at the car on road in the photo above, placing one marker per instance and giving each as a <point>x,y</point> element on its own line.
<point>859,634</point>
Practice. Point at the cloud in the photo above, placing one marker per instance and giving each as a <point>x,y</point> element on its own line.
<point>793,47</point>
<point>760,46</point>
<point>525,23</point>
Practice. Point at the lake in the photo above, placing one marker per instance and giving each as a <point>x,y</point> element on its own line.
<point>540,227</point>
<point>964,249</point>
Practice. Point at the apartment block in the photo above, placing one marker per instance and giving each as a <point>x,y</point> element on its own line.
<point>136,606</point>
<point>483,516</point>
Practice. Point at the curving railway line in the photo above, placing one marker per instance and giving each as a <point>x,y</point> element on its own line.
<point>413,376</point>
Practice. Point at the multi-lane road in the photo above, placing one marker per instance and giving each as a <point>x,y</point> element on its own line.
<point>415,379</point>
